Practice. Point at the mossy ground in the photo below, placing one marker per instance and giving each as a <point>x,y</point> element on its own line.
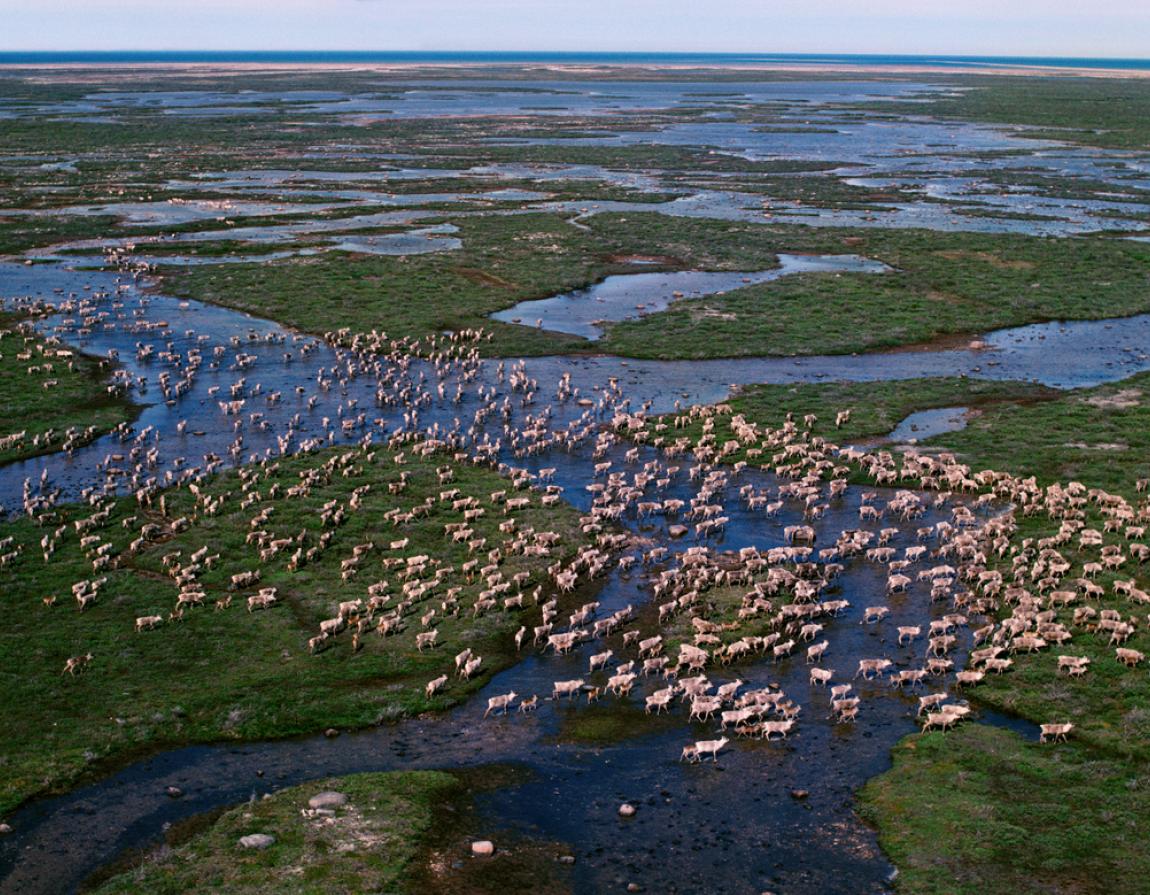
<point>979,811</point>
<point>400,831</point>
<point>232,674</point>
<point>941,284</point>
<point>46,389</point>
<point>369,845</point>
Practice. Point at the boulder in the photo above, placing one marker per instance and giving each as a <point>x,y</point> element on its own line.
<point>627,810</point>
<point>483,848</point>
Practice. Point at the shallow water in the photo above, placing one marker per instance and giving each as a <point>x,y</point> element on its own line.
<point>1062,355</point>
<point>928,423</point>
<point>951,165</point>
<point>626,296</point>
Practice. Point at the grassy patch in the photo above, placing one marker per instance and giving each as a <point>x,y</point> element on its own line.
<point>1110,112</point>
<point>371,844</point>
<point>875,408</point>
<point>504,260</point>
<point>55,396</point>
<point>401,831</point>
<point>980,811</point>
<point>941,284</point>
<point>232,674</point>
<point>607,725</point>
<point>1100,436</point>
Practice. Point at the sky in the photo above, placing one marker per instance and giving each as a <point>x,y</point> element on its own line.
<point>1106,28</point>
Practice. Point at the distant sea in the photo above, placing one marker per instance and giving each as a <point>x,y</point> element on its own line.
<point>702,59</point>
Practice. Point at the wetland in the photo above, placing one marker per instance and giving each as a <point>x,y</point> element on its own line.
<point>356,372</point>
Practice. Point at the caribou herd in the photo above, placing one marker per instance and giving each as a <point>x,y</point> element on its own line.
<point>989,597</point>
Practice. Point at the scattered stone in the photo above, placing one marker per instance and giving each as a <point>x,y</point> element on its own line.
<point>627,810</point>
<point>327,800</point>
<point>257,840</point>
<point>331,733</point>
<point>483,848</point>
<point>174,791</point>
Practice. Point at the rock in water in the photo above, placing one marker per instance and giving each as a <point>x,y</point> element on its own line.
<point>257,840</point>
<point>483,848</point>
<point>626,810</point>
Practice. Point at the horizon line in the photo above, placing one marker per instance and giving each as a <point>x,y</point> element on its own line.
<point>576,53</point>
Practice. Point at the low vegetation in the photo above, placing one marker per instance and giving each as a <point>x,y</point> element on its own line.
<point>341,521</point>
<point>979,811</point>
<point>372,843</point>
<point>1108,112</point>
<point>876,408</point>
<point>54,398</point>
<point>941,284</point>
<point>397,832</point>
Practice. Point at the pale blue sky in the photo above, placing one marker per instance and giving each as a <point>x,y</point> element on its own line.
<point>1115,28</point>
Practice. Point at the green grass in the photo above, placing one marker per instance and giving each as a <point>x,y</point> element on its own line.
<point>876,407</point>
<point>70,412</point>
<point>1100,436</point>
<point>1110,112</point>
<point>374,843</point>
<point>981,812</point>
<point>221,675</point>
<point>22,234</point>
<point>399,832</point>
<point>504,260</point>
<point>942,284</point>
